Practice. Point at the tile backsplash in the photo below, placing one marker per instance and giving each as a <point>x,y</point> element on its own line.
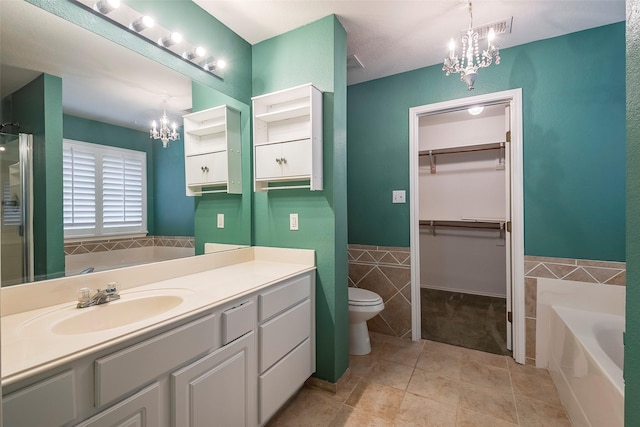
<point>386,271</point>
<point>90,246</point>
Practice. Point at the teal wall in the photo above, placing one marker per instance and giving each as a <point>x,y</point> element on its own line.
<point>632,336</point>
<point>315,53</point>
<point>573,91</point>
<point>38,108</point>
<point>173,210</point>
<point>235,207</point>
<point>169,210</point>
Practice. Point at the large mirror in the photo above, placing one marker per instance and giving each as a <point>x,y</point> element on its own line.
<point>62,84</point>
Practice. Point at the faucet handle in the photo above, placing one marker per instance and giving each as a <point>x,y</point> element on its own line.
<point>84,295</point>
<point>112,288</point>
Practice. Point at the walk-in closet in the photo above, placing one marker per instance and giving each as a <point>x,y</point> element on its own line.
<point>464,224</point>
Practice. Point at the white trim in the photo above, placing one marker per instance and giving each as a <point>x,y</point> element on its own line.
<point>514,98</point>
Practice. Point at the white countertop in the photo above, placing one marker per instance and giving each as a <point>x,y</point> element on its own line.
<point>30,347</point>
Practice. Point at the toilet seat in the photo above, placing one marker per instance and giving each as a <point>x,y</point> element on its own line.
<point>363,298</point>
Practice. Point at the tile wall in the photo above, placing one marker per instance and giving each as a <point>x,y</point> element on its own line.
<point>386,271</point>
<point>603,272</point>
<point>90,246</point>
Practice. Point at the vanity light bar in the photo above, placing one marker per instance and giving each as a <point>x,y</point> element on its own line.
<point>144,26</point>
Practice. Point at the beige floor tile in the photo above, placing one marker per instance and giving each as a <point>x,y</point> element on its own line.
<point>441,389</point>
<point>420,411</point>
<point>534,413</point>
<point>536,387</point>
<point>307,408</point>
<point>376,399</point>
<point>469,418</point>
<point>391,374</point>
<point>441,363</point>
<point>488,401</point>
<point>343,392</point>
<point>486,376</point>
<point>442,348</point>
<point>517,368</point>
<point>402,351</point>
<point>350,417</point>
<point>469,355</point>
<point>361,366</point>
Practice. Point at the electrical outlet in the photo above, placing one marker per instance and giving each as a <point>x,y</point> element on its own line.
<point>399,196</point>
<point>293,221</point>
<point>220,220</point>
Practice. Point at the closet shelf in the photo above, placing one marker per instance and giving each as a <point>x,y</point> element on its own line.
<point>484,224</point>
<point>463,149</point>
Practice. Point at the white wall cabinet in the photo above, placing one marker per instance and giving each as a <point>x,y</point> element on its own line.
<point>212,149</point>
<point>287,139</point>
<point>234,365</point>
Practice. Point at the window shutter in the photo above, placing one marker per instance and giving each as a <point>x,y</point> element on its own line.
<point>122,191</point>
<point>104,190</point>
<point>79,188</point>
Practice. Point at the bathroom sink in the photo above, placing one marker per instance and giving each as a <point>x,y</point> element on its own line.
<point>115,314</point>
<point>132,307</point>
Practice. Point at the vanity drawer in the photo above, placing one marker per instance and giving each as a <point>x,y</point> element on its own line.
<point>283,379</point>
<point>115,375</point>
<point>281,334</point>
<point>47,403</point>
<point>237,321</point>
<point>274,301</point>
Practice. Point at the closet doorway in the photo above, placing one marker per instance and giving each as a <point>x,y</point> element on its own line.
<point>467,223</point>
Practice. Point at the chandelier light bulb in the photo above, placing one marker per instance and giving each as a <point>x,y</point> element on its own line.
<point>106,6</point>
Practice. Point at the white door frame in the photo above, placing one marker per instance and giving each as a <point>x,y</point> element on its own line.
<point>514,99</point>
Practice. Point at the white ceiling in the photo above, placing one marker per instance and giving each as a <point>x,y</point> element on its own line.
<point>392,36</point>
<point>107,82</point>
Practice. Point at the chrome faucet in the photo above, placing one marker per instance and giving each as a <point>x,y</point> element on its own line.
<point>102,296</point>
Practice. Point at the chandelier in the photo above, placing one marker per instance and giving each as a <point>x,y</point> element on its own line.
<point>164,133</point>
<point>468,65</point>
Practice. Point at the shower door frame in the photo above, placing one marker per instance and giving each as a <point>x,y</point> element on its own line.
<point>516,293</point>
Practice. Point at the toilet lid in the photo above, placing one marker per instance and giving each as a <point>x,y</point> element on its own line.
<point>359,296</point>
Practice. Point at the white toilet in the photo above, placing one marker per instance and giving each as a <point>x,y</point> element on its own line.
<point>363,305</point>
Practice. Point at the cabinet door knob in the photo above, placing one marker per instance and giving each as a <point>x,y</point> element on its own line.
<point>204,168</point>
<point>278,161</point>
<point>283,160</point>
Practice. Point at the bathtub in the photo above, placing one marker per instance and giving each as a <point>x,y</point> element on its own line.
<point>586,362</point>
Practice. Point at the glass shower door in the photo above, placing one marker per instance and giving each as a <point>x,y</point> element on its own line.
<point>15,213</point>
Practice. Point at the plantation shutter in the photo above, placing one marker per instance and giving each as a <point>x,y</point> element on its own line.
<point>104,190</point>
<point>79,188</point>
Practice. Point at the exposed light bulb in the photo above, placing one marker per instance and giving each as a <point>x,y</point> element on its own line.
<point>221,64</point>
<point>198,52</point>
<point>106,6</point>
<point>491,35</point>
<point>142,23</point>
<point>170,40</point>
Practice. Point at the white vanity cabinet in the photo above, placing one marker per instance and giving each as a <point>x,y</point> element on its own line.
<point>286,342</point>
<point>232,365</point>
<point>212,149</point>
<point>287,139</point>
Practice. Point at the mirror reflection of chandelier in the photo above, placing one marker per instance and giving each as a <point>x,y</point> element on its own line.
<point>164,133</point>
<point>471,60</point>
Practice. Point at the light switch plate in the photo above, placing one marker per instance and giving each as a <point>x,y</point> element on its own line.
<point>399,196</point>
<point>220,220</point>
<point>293,221</point>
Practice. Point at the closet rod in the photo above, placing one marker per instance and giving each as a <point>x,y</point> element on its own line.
<point>485,147</point>
<point>464,224</point>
